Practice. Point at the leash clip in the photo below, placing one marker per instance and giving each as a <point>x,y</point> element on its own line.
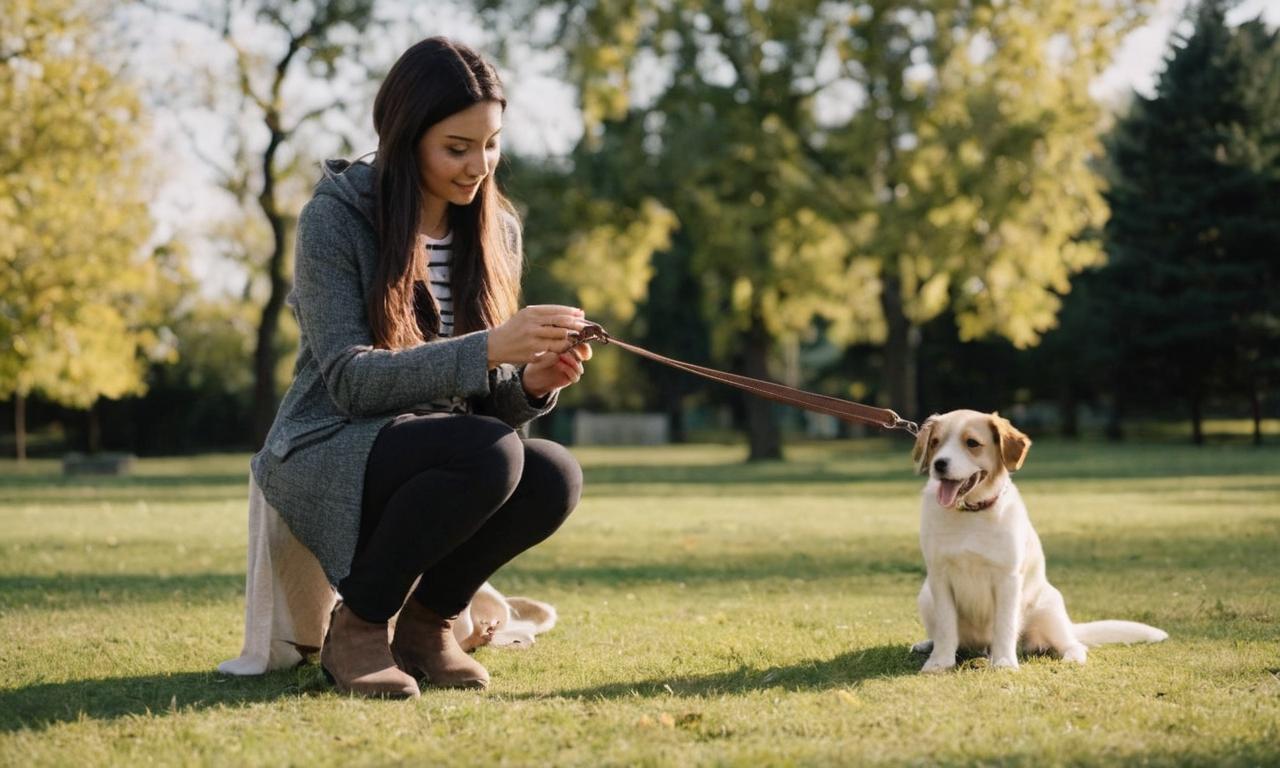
<point>908,426</point>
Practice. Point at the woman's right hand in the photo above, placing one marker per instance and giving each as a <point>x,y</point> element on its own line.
<point>532,331</point>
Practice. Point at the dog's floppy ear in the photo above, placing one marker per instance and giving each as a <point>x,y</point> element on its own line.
<point>921,453</point>
<point>1013,444</point>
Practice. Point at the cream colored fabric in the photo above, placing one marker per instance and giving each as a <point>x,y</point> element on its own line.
<point>288,600</point>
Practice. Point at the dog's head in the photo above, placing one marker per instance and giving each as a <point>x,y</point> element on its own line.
<point>963,450</point>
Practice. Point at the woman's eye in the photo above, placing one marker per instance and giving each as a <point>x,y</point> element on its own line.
<point>457,151</point>
<point>972,443</point>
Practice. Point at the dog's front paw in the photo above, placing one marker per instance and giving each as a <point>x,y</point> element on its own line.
<point>1005,662</point>
<point>935,666</point>
<point>482,636</point>
<point>924,647</point>
<point>1076,654</point>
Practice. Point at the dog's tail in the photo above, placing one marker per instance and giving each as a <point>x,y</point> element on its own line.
<point>1094,633</point>
<point>540,616</point>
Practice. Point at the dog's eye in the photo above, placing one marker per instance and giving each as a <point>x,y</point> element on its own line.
<point>972,443</point>
<point>934,442</point>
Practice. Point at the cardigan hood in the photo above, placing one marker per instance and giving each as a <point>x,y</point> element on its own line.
<point>355,184</point>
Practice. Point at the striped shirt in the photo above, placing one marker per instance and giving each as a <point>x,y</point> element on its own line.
<point>438,255</point>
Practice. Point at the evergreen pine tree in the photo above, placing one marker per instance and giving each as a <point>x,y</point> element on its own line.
<point>1193,234</point>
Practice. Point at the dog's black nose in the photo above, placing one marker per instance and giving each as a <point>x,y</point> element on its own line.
<point>940,465</point>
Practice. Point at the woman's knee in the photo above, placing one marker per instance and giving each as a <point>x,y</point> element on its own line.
<point>559,476</point>
<point>498,459</point>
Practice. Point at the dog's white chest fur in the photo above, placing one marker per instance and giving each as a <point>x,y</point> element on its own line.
<point>973,554</point>
<point>978,541</point>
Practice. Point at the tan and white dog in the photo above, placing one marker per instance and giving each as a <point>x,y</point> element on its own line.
<point>985,588</point>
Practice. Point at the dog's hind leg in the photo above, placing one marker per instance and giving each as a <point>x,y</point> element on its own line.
<point>1049,626</point>
<point>1007,622</point>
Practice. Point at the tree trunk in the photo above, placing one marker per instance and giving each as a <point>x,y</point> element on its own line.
<point>264,371</point>
<point>264,356</point>
<point>20,426</point>
<point>673,402</point>
<point>1197,419</point>
<point>763,434</point>
<point>1115,417</point>
<point>901,351</point>
<point>93,438</point>
<point>1255,401</point>
<point>1070,413</point>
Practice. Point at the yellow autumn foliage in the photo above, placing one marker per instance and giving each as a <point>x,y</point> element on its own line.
<point>80,295</point>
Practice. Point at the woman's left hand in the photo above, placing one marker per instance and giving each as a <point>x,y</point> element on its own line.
<point>550,371</point>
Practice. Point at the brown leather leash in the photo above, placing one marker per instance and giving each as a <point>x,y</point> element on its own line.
<point>846,410</point>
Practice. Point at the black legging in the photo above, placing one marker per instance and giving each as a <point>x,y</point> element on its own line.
<point>453,498</point>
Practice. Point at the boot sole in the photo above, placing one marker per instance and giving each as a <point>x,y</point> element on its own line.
<point>378,695</point>
<point>422,677</point>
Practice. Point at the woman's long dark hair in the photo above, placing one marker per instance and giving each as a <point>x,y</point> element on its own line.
<point>432,80</point>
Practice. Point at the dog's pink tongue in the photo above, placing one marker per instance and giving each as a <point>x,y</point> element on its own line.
<point>947,490</point>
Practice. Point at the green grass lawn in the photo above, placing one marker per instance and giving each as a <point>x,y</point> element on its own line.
<point>710,613</point>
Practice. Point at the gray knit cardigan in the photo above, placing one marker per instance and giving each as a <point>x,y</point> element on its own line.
<point>344,390</point>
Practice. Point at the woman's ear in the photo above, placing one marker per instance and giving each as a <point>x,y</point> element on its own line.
<point>1013,444</point>
<point>922,451</point>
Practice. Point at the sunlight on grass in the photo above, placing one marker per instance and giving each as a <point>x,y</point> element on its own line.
<point>712,612</point>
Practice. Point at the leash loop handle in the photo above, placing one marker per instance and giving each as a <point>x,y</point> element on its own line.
<point>590,332</point>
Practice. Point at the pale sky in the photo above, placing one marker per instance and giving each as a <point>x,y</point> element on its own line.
<point>541,118</point>
<point>1140,59</point>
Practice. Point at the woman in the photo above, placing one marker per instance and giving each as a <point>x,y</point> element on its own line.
<point>394,454</point>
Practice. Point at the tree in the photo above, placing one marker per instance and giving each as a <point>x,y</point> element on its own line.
<point>274,42</point>
<point>1194,234</point>
<point>82,299</point>
<point>699,149</point>
<point>983,130</point>
<point>1251,227</point>
<point>864,167</point>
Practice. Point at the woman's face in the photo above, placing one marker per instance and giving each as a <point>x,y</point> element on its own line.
<point>457,153</point>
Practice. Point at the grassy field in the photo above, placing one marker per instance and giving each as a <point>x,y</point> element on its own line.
<point>712,613</point>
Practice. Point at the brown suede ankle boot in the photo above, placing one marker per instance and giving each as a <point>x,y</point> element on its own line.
<point>356,658</point>
<point>424,646</point>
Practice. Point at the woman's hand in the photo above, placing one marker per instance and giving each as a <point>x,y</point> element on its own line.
<point>527,334</point>
<point>554,371</point>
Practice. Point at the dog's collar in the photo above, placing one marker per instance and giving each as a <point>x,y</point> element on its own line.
<point>986,504</point>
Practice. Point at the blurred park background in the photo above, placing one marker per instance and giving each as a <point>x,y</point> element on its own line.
<point>1068,210</point>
